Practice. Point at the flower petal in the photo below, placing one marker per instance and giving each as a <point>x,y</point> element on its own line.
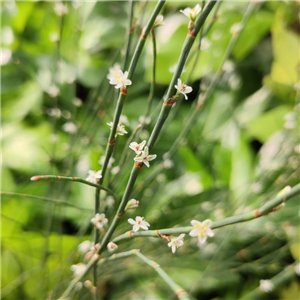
<point>131,221</point>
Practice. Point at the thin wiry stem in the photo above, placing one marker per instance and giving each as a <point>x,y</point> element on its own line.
<point>55,201</point>
<point>74,179</point>
<point>267,208</point>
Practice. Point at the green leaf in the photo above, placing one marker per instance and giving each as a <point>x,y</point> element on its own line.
<point>263,126</point>
<point>257,27</point>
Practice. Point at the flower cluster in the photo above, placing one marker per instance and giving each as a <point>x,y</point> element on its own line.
<point>142,155</point>
<point>120,129</point>
<point>183,88</point>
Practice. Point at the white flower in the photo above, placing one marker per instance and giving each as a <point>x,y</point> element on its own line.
<point>183,88</point>
<point>176,242</point>
<point>93,176</point>
<point>145,120</point>
<point>168,164</point>
<point>120,79</point>
<point>114,71</point>
<point>120,129</point>
<point>138,223</point>
<point>137,148</point>
<point>69,127</point>
<point>205,44</point>
<point>202,230</point>
<point>111,246</point>
<point>115,170</point>
<point>85,246</point>
<point>145,157</point>
<point>110,161</point>
<point>236,28</point>
<point>266,286</point>
<point>78,269</point>
<point>191,13</point>
<point>99,221</point>
<point>54,112</point>
<point>60,9</point>
<point>159,21</point>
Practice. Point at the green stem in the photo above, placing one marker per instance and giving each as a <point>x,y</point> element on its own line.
<point>169,99</point>
<point>177,289</point>
<point>129,35</point>
<point>126,152</point>
<point>281,279</point>
<point>74,179</point>
<point>56,201</point>
<point>262,211</point>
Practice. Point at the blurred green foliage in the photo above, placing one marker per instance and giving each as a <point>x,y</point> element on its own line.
<point>241,152</point>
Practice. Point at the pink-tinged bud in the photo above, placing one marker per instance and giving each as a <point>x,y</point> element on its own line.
<point>35,178</point>
<point>88,284</point>
<point>132,204</point>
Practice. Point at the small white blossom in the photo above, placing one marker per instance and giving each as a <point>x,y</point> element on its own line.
<point>113,71</point>
<point>145,120</point>
<point>191,13</point>
<point>266,286</point>
<point>236,28</point>
<point>124,119</point>
<point>78,269</point>
<point>54,37</point>
<point>111,246</point>
<point>183,88</point>
<point>168,163</point>
<point>60,9</point>
<point>109,201</point>
<point>137,148</point>
<point>159,21</point>
<point>120,79</point>
<point>69,127</point>
<point>115,170</point>
<point>110,161</point>
<point>202,230</point>
<point>120,129</point>
<point>138,223</point>
<point>54,112</point>
<point>145,157</point>
<point>78,286</point>
<point>99,221</point>
<point>205,44</point>
<point>93,176</point>
<point>53,91</point>
<point>85,246</point>
<point>176,242</point>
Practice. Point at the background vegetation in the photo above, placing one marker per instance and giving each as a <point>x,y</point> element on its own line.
<point>243,149</point>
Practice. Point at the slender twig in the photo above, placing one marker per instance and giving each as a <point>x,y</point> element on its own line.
<point>259,212</point>
<point>74,179</point>
<point>279,280</point>
<point>129,35</point>
<point>56,201</point>
<point>177,289</point>
<point>123,93</point>
<point>169,99</point>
